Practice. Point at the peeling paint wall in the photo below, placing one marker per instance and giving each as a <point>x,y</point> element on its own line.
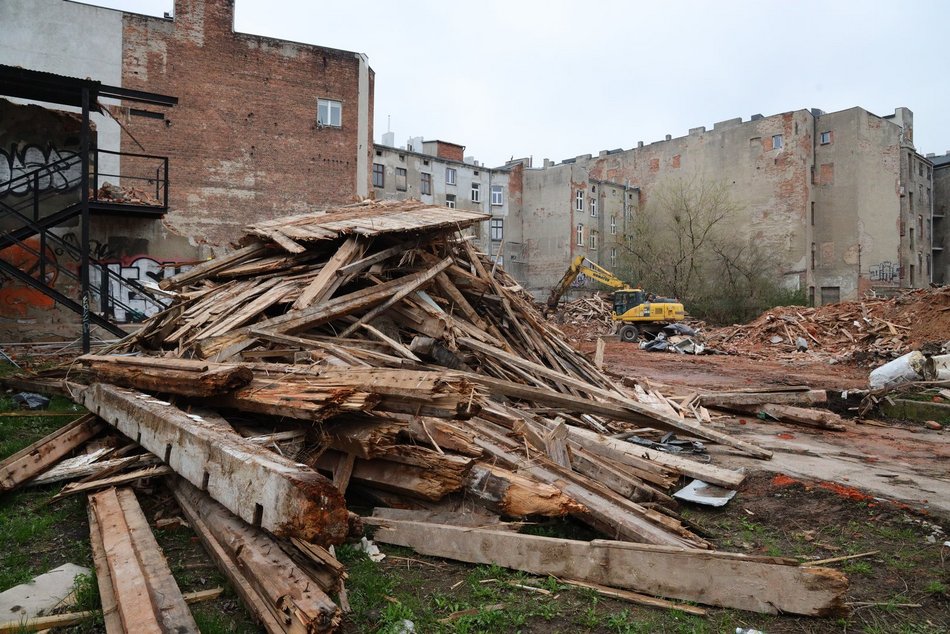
<point>777,171</point>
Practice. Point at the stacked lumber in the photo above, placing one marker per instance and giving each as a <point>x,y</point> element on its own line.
<point>866,332</point>
<point>372,350</point>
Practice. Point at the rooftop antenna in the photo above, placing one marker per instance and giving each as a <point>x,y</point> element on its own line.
<point>388,119</point>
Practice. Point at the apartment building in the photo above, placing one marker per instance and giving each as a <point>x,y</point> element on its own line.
<point>438,172</point>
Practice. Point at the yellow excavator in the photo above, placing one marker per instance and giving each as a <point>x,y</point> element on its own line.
<point>635,310</point>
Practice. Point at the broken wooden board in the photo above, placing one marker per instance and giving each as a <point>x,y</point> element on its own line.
<point>818,418</point>
<point>514,495</point>
<point>147,598</point>
<point>258,485</point>
<point>44,453</point>
<point>172,376</point>
<point>277,591</point>
<point>758,584</point>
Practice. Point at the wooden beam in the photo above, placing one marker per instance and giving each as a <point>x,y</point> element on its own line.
<point>184,377</point>
<point>210,267</point>
<point>146,596</point>
<point>731,399</point>
<point>44,453</point>
<point>258,485</point>
<point>757,584</point>
<point>277,591</point>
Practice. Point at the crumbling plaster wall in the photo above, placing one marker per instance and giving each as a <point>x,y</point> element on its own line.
<point>771,188</point>
<point>857,203</point>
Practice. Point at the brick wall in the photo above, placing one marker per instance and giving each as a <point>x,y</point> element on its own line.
<point>243,142</point>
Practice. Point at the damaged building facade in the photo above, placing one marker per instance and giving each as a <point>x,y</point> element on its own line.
<point>263,127</point>
<point>842,199</point>
<point>941,239</point>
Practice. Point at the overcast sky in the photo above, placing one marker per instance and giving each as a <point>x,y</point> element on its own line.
<point>555,79</point>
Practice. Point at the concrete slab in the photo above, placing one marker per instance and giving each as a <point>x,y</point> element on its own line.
<point>42,593</point>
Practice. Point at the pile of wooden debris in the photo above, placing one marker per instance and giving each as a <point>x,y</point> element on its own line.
<point>371,350</point>
<point>587,318</point>
<point>869,331</point>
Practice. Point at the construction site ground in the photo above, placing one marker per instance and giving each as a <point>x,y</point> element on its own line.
<point>889,497</point>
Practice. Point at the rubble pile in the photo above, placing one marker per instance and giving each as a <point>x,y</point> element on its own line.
<point>587,318</point>
<point>372,350</point>
<point>863,332</point>
<point>129,195</point>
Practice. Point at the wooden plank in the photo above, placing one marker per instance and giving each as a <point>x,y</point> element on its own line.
<point>43,623</point>
<point>44,453</point>
<point>112,481</point>
<point>278,591</point>
<point>819,418</point>
<point>419,280</point>
<point>110,610</point>
<point>147,598</point>
<point>258,485</point>
<point>329,278</point>
<point>208,268</point>
<point>163,377</point>
<point>764,585</point>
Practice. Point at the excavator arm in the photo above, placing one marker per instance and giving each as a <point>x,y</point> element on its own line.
<point>579,265</point>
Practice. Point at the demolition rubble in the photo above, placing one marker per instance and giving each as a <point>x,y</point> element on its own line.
<point>371,351</point>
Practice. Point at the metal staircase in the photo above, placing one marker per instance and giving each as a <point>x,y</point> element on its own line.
<point>31,216</point>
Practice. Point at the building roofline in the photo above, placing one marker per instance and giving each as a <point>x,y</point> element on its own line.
<point>233,30</point>
<point>505,168</point>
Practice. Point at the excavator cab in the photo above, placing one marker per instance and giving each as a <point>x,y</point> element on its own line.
<point>626,299</point>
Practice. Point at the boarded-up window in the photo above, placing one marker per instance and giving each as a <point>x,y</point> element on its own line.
<point>401,179</point>
<point>826,174</point>
<point>830,294</point>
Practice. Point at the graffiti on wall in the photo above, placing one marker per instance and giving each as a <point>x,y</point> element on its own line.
<point>885,272</point>
<point>16,298</point>
<point>126,302</point>
<point>62,174</point>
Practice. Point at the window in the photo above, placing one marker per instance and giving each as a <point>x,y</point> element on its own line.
<point>425,185</point>
<point>920,169</point>
<point>401,179</point>
<point>593,240</point>
<point>613,225</point>
<point>476,192</point>
<point>450,201</point>
<point>613,257</point>
<point>825,138</point>
<point>580,234</point>
<point>497,195</point>
<point>497,229</point>
<point>777,142</point>
<point>911,237</point>
<point>830,294</point>
<point>579,200</point>
<point>329,112</point>
<point>449,175</point>
<point>379,175</point>
<point>813,214</point>
<point>593,206</point>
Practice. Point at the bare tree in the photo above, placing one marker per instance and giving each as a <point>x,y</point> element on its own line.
<point>687,243</point>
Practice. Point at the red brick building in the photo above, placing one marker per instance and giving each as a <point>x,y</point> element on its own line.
<point>263,127</point>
